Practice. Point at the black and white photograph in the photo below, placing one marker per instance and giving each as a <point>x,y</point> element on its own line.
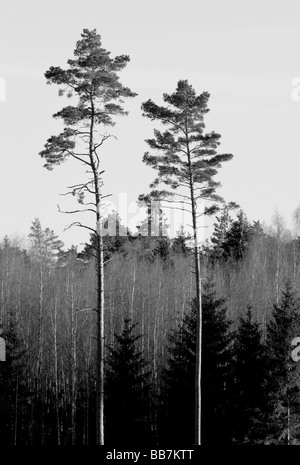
<point>150,226</point>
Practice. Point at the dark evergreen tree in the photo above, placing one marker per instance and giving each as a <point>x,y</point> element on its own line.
<point>179,242</point>
<point>13,392</point>
<point>250,374</point>
<point>127,391</point>
<point>177,418</point>
<point>221,227</point>
<point>115,239</point>
<point>162,246</point>
<point>231,239</point>
<point>237,238</point>
<point>284,372</point>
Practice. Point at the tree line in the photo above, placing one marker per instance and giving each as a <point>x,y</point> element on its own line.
<point>250,381</point>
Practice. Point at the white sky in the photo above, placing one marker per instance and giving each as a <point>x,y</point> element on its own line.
<point>245,54</point>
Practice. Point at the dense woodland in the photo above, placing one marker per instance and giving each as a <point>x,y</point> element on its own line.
<point>141,338</point>
<point>250,316</point>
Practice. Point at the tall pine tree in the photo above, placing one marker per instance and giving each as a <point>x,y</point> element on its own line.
<point>186,159</point>
<point>92,77</point>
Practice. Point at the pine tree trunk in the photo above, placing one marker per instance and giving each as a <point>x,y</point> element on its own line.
<point>100,335</point>
<point>100,290</point>
<point>198,343</point>
<point>199,308</point>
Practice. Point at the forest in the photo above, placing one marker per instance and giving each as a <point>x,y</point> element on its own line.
<point>250,316</point>
<point>142,338</point>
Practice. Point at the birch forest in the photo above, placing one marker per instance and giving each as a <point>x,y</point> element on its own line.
<point>251,314</point>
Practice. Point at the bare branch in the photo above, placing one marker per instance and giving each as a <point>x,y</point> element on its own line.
<point>84,309</point>
<point>178,208</point>
<point>78,158</point>
<point>104,138</point>
<point>77,211</point>
<point>80,185</point>
<point>107,261</point>
<point>89,203</point>
<point>77,223</point>
<point>176,201</point>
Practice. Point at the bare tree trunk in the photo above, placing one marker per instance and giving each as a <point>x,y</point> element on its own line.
<point>133,287</point>
<point>199,307</point>
<point>100,321</point>
<point>38,380</point>
<point>288,423</point>
<point>41,316</point>
<point>100,335</point>
<point>156,327</point>
<point>2,301</point>
<point>16,409</point>
<point>198,344</point>
<point>94,163</point>
<point>277,273</point>
<point>74,367</point>
<point>56,374</point>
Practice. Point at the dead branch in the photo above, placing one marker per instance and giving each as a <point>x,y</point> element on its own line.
<point>77,211</point>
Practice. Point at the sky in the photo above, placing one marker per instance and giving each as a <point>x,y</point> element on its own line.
<point>245,54</point>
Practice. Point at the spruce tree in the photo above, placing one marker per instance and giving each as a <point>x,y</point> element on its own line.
<point>127,391</point>
<point>284,372</point>
<point>237,238</point>
<point>250,373</point>
<point>13,392</point>
<point>178,400</point>
<point>221,227</point>
<point>179,242</point>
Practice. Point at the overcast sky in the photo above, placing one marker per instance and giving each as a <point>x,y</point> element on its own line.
<point>245,54</point>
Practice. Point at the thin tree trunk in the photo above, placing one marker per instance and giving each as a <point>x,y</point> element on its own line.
<point>288,423</point>
<point>100,289</point>
<point>199,307</point>
<point>100,335</point>
<point>16,409</point>
<point>56,374</point>
<point>74,367</point>
<point>277,273</point>
<point>41,317</point>
<point>198,344</point>
<point>155,327</point>
<point>38,380</point>
<point>133,287</point>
